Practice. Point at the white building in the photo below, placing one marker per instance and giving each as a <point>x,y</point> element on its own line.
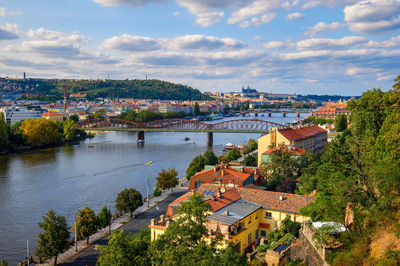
<point>13,115</point>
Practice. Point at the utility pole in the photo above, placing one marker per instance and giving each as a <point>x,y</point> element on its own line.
<point>109,225</point>
<point>27,250</point>
<point>76,240</point>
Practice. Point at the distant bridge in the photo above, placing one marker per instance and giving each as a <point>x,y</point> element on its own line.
<point>180,125</point>
<point>283,111</point>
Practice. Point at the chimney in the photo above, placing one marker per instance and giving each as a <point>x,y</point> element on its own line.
<point>223,189</point>
<point>226,213</point>
<point>222,171</point>
<point>280,198</point>
<point>152,221</point>
<point>219,194</point>
<point>162,218</point>
<point>242,169</point>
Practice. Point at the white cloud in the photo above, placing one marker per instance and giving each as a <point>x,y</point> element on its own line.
<point>329,3</point>
<point>4,13</point>
<point>130,43</point>
<point>273,44</point>
<point>9,32</point>
<point>373,16</point>
<point>322,27</point>
<point>254,9</point>
<point>323,43</point>
<point>394,42</point>
<point>352,71</point>
<point>294,16</point>
<point>135,3</point>
<point>206,19</point>
<point>44,34</point>
<point>290,4</point>
<point>177,13</point>
<point>258,21</point>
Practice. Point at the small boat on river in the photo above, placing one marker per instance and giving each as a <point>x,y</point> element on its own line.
<point>187,138</point>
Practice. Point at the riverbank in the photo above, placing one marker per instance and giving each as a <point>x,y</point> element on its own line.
<point>70,256</point>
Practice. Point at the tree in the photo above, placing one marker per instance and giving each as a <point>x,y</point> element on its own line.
<point>54,237</point>
<point>40,132</point>
<point>86,223</point>
<point>167,179</point>
<point>282,171</point>
<point>125,249</point>
<point>74,118</point>
<point>100,113</point>
<point>252,145</point>
<point>210,158</point>
<point>128,200</point>
<point>104,217</point>
<point>69,128</point>
<point>196,110</point>
<point>4,139</point>
<point>3,263</point>
<point>233,155</point>
<point>340,123</point>
<point>195,166</point>
<point>250,160</point>
<point>291,227</point>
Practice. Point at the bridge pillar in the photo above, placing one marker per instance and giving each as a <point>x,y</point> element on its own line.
<point>139,136</point>
<point>210,139</point>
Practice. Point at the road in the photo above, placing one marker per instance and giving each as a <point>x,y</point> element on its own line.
<point>89,255</point>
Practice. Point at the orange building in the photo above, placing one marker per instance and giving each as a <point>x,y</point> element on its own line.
<point>332,110</point>
<point>53,116</point>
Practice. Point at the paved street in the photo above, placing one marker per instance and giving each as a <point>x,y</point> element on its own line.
<point>89,255</point>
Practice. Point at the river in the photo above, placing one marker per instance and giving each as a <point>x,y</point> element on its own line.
<point>70,178</point>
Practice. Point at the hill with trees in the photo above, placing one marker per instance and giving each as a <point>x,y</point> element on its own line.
<point>138,89</point>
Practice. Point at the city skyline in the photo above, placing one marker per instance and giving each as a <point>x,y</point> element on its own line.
<point>305,47</point>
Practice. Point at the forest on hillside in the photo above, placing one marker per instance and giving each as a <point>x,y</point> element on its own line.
<point>138,89</point>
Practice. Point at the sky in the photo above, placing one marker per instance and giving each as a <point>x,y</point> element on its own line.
<point>282,46</point>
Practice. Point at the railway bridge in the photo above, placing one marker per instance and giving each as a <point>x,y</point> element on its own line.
<point>180,125</point>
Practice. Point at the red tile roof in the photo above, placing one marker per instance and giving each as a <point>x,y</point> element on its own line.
<point>270,200</point>
<point>226,198</point>
<point>294,134</point>
<point>228,173</point>
<point>178,200</point>
<point>52,114</point>
<point>290,149</point>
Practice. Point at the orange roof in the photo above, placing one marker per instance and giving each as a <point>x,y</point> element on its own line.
<point>290,149</point>
<point>224,173</point>
<point>52,114</point>
<point>226,198</point>
<point>271,200</point>
<point>294,134</point>
<point>178,200</point>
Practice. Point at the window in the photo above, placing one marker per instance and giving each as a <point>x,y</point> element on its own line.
<point>263,233</point>
<point>250,220</point>
<point>249,240</point>
<point>268,215</point>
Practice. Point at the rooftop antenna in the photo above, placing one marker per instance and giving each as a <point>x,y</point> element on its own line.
<point>146,76</point>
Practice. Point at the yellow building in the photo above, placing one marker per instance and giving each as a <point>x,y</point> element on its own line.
<point>243,216</point>
<point>311,139</point>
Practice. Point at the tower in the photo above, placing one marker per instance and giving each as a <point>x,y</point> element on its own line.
<point>24,76</point>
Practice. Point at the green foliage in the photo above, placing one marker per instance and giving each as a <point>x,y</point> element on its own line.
<point>40,132</point>
<point>54,236</point>
<point>250,160</point>
<point>196,110</point>
<point>233,155</point>
<point>157,192</point>
<point>245,106</point>
<point>308,180</point>
<point>195,166</point>
<point>252,145</point>
<point>341,123</point>
<point>321,121</point>
<point>125,249</point>
<point>167,179</point>
<point>282,171</point>
<point>128,200</point>
<point>210,158</point>
<point>138,89</point>
<point>86,223</point>
<point>104,217</point>
<point>74,118</point>
<point>291,227</point>
<point>4,139</point>
<point>69,128</point>
<point>3,263</point>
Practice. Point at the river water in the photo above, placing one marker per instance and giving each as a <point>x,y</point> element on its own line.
<point>72,177</point>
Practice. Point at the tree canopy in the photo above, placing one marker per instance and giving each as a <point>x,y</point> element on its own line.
<point>128,200</point>
<point>4,139</point>
<point>233,155</point>
<point>86,223</point>
<point>167,179</point>
<point>210,158</point>
<point>40,132</point>
<point>195,166</point>
<point>54,236</point>
<point>104,217</point>
<point>341,123</point>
